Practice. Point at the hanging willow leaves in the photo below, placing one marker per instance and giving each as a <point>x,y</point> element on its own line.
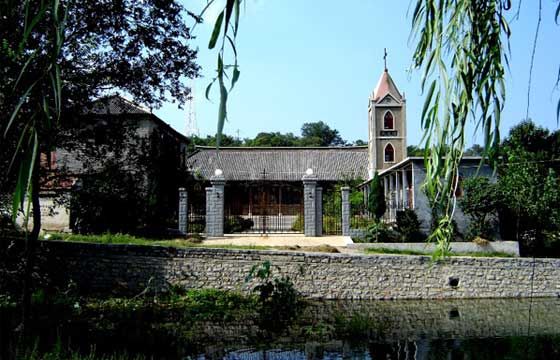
<point>37,93</point>
<point>224,21</point>
<point>460,44</point>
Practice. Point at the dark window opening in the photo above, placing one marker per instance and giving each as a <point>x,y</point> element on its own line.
<point>388,121</point>
<point>389,153</point>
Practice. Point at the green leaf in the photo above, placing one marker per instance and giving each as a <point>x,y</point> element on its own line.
<point>231,42</point>
<point>222,111</point>
<point>229,11</point>
<point>216,31</point>
<point>208,88</point>
<point>25,174</point>
<point>236,24</point>
<point>428,100</point>
<point>235,77</point>
<point>22,99</point>
<point>558,113</point>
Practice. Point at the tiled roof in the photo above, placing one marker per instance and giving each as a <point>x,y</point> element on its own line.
<point>281,163</point>
<point>115,105</point>
<point>386,86</point>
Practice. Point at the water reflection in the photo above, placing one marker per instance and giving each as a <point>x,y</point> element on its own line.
<point>437,329</point>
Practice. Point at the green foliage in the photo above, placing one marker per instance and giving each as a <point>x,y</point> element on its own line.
<point>298,224</point>
<point>378,231</point>
<point>413,150</point>
<point>312,134</point>
<point>460,48</point>
<point>475,150</point>
<point>230,27</point>
<point>58,353</point>
<point>237,224</point>
<point>529,188</point>
<point>480,202</point>
<point>31,91</point>
<point>277,295</point>
<point>442,235</point>
<point>274,139</point>
<point>408,226</point>
<point>425,253</point>
<point>320,134</point>
<point>135,190</point>
<point>376,199</point>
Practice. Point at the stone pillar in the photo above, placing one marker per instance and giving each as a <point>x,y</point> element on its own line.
<point>391,203</point>
<point>309,205</point>
<point>183,210</point>
<point>345,194</point>
<point>405,189</point>
<point>319,211</point>
<point>397,191</point>
<point>385,186</point>
<point>215,206</point>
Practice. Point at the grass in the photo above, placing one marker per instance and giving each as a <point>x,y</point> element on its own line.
<point>427,253</point>
<point>125,239</point>
<point>59,353</point>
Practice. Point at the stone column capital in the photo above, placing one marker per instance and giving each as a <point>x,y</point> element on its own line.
<point>310,179</point>
<point>217,180</point>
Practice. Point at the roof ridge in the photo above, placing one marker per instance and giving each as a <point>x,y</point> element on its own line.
<point>358,147</point>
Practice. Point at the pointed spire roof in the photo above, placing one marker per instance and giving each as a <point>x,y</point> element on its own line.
<point>385,86</point>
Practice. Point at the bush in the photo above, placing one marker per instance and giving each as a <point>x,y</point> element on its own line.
<point>408,226</point>
<point>278,297</point>
<point>380,232</point>
<point>237,224</point>
<point>480,203</point>
<point>298,224</point>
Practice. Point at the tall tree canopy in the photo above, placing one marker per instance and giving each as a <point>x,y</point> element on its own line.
<point>57,55</point>
<point>320,134</point>
<point>140,47</point>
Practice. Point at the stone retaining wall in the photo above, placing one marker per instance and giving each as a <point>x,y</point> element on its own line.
<point>101,268</point>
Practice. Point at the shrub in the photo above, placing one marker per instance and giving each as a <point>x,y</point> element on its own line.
<point>277,295</point>
<point>298,224</point>
<point>380,232</point>
<point>237,224</point>
<point>408,226</point>
<point>376,198</point>
<point>480,203</point>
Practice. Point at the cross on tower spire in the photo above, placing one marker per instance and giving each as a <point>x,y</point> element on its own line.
<point>385,59</point>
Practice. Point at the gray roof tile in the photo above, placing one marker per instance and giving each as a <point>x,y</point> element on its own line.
<point>281,163</point>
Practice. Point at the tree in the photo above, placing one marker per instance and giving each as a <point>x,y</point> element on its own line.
<point>274,139</point>
<point>480,202</point>
<point>475,150</point>
<point>57,56</point>
<point>413,150</point>
<point>376,198</point>
<point>528,184</point>
<point>320,134</point>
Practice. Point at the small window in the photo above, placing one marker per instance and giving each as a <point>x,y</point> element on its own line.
<point>389,153</point>
<point>388,121</point>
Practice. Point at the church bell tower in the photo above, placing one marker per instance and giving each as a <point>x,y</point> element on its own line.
<point>386,125</point>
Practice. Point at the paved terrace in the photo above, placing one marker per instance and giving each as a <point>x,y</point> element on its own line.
<point>278,240</point>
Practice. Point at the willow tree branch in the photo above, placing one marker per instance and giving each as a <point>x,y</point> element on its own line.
<point>533,60</point>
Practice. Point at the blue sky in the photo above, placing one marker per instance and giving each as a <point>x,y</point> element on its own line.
<point>311,60</point>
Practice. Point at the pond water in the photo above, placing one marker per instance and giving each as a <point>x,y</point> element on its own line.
<point>465,329</point>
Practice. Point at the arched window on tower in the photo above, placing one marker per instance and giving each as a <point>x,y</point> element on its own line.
<point>388,121</point>
<point>389,153</point>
